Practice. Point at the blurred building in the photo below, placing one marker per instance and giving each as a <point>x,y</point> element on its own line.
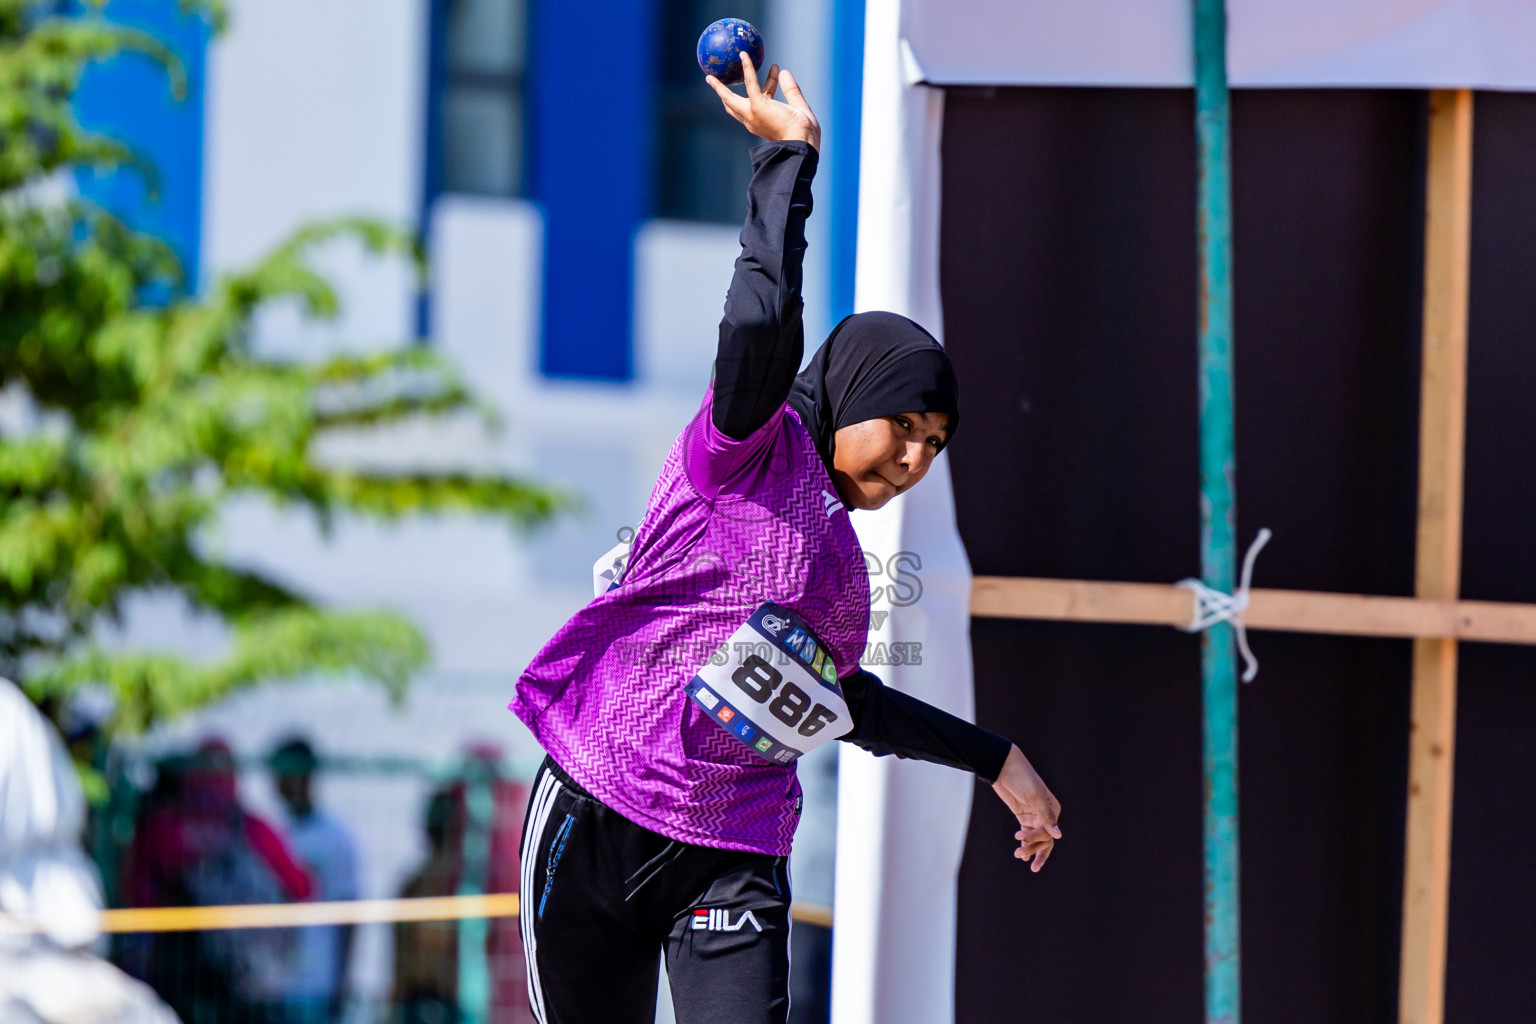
<point>579,193</point>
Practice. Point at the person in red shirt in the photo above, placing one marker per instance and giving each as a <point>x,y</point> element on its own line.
<point>195,845</point>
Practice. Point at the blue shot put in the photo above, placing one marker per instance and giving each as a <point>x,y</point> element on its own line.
<point>721,46</point>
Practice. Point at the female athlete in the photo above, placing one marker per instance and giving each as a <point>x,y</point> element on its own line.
<point>674,706</point>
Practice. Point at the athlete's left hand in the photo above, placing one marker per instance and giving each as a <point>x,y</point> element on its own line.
<point>1027,796</point>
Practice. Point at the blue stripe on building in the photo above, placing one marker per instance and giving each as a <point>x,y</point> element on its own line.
<point>432,172</point>
<point>847,123</point>
<point>591,173</point>
<point>130,99</point>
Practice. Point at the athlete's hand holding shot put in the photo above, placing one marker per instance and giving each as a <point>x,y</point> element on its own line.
<point>765,116</point>
<point>661,822</point>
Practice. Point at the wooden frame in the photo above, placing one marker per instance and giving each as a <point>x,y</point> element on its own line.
<point>1437,571</point>
<point>1435,618</point>
<point>1283,611</point>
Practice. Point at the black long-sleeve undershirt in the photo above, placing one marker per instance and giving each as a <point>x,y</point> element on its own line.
<point>762,339</point>
<point>887,721</point>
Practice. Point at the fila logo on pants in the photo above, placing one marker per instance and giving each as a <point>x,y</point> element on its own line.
<point>719,920</point>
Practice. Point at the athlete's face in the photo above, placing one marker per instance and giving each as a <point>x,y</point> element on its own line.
<point>877,459</point>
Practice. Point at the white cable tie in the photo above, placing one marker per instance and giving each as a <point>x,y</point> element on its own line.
<point>1212,606</point>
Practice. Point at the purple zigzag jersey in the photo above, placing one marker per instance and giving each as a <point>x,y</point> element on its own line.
<point>731,524</point>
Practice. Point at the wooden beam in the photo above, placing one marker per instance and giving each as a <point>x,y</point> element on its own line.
<point>1442,420</point>
<point>1297,611</point>
<point>1435,618</point>
<point>1287,611</point>
<point>1012,597</point>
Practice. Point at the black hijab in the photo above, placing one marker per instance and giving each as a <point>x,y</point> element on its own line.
<point>873,365</point>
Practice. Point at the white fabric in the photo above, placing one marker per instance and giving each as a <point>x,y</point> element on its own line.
<point>901,824</point>
<point>1412,43</point>
<point>45,879</point>
<point>44,875</point>
<point>44,985</point>
<point>1049,42</point>
<point>325,847</point>
<point>1387,43</point>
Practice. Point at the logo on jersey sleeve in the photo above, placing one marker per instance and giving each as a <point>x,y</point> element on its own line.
<point>830,503</point>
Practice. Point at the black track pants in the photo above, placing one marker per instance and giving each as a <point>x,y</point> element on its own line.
<point>603,898</point>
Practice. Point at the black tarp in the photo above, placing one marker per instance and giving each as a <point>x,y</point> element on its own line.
<point>1069,289</point>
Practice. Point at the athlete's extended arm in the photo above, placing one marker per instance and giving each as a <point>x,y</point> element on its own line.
<point>887,721</point>
<point>761,335</point>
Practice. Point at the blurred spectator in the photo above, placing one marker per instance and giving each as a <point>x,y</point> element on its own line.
<point>196,846</point>
<point>426,953</point>
<point>317,988</point>
<point>47,976</point>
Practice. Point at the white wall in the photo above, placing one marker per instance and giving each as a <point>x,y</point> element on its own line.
<point>314,110</point>
<point>798,36</point>
<point>682,271</point>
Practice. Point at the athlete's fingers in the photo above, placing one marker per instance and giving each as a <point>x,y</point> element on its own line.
<point>1044,821</point>
<point>1025,853</point>
<point>728,99</point>
<point>721,90</point>
<point>1035,841</point>
<point>1030,821</point>
<point>772,85</point>
<point>749,76</point>
<point>1030,849</point>
<point>1050,828</point>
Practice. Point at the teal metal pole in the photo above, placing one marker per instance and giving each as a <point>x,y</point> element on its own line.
<point>474,965</point>
<point>1218,554</point>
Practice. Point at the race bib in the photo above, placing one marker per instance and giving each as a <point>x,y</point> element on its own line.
<point>777,689</point>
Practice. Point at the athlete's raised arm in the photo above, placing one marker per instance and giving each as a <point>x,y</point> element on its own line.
<point>761,335</point>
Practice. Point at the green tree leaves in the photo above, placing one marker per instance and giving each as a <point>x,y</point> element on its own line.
<point>143,419</point>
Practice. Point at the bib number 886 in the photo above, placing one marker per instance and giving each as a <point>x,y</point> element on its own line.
<point>792,706</point>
